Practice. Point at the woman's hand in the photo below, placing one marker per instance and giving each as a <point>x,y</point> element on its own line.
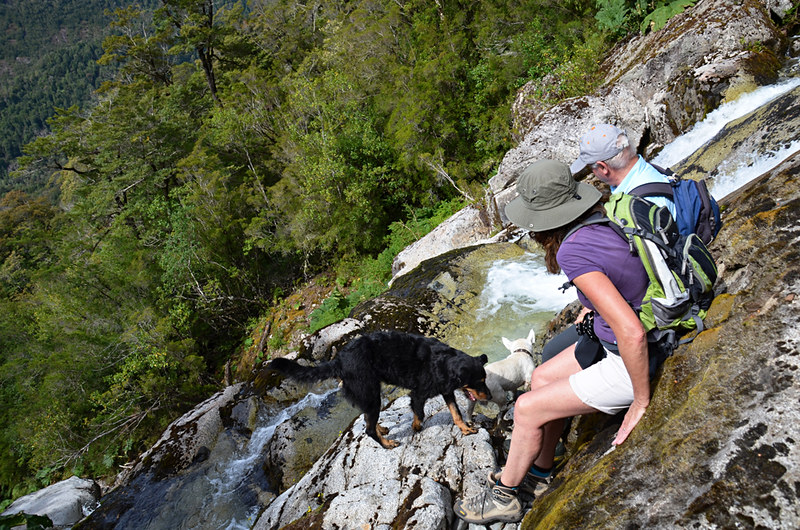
<point>583,313</point>
<point>632,417</point>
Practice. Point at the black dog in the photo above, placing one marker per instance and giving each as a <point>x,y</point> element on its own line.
<point>424,365</point>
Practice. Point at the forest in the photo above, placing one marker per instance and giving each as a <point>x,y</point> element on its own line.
<point>48,60</point>
<point>230,153</point>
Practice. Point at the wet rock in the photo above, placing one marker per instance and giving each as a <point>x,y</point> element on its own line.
<point>179,445</point>
<point>298,442</point>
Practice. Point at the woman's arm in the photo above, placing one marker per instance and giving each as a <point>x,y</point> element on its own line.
<point>631,340</point>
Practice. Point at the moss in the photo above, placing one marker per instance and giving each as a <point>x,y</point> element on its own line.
<point>764,65</point>
<point>721,309</point>
<point>706,339</point>
<point>407,509</point>
<point>314,518</point>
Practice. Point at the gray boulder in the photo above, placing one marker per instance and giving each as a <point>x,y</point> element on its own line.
<point>464,228</point>
<point>65,502</point>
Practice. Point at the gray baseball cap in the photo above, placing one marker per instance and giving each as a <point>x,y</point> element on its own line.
<point>549,197</point>
<point>599,144</point>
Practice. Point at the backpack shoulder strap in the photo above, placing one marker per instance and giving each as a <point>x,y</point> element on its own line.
<point>653,189</point>
<point>664,171</point>
<point>595,218</point>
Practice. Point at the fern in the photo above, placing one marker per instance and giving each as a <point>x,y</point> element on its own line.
<point>659,17</point>
<point>612,14</point>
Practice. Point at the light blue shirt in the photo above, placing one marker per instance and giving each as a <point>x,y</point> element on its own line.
<point>642,173</point>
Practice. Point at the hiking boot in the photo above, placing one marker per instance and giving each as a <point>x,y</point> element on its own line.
<point>497,504</point>
<point>531,486</point>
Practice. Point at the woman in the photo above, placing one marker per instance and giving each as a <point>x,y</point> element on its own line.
<point>611,282</point>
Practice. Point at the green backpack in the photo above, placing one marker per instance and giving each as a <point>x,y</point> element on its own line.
<point>681,270</point>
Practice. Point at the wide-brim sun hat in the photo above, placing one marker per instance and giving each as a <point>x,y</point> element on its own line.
<point>549,197</point>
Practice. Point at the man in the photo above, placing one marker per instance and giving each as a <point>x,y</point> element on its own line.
<point>607,150</point>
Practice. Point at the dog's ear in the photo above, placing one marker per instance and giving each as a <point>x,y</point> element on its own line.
<point>507,343</point>
<point>483,358</point>
<point>531,336</point>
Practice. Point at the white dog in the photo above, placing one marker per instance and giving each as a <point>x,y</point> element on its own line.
<point>508,374</point>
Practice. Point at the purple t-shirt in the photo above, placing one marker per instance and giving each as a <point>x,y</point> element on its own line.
<point>597,247</point>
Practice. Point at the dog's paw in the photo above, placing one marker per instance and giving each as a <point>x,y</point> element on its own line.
<point>389,444</point>
<point>466,429</point>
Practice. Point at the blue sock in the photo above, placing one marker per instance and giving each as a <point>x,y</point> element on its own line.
<point>539,472</point>
<point>512,488</point>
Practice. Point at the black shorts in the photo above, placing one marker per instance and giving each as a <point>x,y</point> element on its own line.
<point>587,351</point>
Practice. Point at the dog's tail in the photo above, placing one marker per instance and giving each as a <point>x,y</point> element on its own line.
<point>305,374</point>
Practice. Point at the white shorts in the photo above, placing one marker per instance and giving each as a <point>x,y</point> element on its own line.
<point>605,386</point>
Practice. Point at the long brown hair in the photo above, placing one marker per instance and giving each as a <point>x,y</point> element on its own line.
<point>551,239</point>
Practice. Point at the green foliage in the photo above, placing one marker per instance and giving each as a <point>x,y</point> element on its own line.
<point>30,522</point>
<point>663,11</point>
<point>333,309</point>
<point>276,340</point>
<point>612,15</point>
<point>619,17</point>
<point>49,55</point>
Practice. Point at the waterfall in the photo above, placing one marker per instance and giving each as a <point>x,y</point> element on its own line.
<point>732,174</point>
<point>225,480</point>
<point>702,132</point>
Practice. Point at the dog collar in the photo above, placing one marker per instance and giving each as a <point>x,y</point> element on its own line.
<point>523,351</point>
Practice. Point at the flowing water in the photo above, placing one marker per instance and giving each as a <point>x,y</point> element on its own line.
<point>223,483</point>
<point>229,489</point>
<point>518,295</point>
<point>732,174</point>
